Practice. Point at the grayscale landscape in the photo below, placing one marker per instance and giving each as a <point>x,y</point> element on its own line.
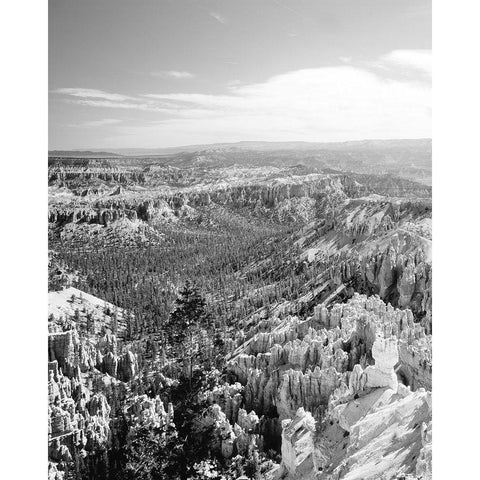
<point>251,303</point>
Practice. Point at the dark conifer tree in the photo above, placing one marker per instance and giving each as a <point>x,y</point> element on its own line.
<point>190,312</point>
<point>185,327</point>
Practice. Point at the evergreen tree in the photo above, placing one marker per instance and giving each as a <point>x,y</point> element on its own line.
<point>190,312</point>
<point>186,325</point>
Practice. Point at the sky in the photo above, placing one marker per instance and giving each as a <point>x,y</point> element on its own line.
<point>161,73</point>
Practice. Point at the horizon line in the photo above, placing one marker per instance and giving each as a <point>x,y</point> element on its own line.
<point>107,149</point>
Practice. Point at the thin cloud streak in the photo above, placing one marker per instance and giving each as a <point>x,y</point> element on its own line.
<point>98,123</point>
<point>135,105</point>
<point>92,93</point>
<point>173,74</point>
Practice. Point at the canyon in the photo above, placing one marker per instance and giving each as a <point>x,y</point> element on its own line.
<point>309,355</point>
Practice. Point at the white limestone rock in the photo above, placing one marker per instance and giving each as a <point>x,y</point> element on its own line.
<point>298,445</point>
<point>382,374</point>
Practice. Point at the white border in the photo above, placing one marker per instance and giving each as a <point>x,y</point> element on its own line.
<point>23,283</point>
<point>23,286</point>
<point>456,189</point>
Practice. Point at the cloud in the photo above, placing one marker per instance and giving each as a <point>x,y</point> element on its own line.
<point>99,123</point>
<point>419,61</point>
<point>219,17</point>
<point>335,103</point>
<point>92,93</point>
<point>173,74</point>
<point>97,98</point>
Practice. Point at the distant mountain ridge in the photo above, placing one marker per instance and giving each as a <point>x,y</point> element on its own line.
<point>81,153</point>
<point>409,159</point>
<point>252,145</point>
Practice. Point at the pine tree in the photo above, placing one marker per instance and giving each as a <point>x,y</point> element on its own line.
<point>190,312</point>
<point>185,325</point>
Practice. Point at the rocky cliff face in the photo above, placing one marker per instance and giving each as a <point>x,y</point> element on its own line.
<point>346,364</point>
<point>337,378</point>
<point>317,374</point>
<point>375,246</point>
<point>298,445</point>
<point>300,363</point>
<point>272,195</point>
<point>158,202</point>
<point>321,364</point>
<point>350,350</point>
<point>374,427</point>
<point>86,333</point>
<point>67,175</point>
<point>88,371</point>
<point>80,422</point>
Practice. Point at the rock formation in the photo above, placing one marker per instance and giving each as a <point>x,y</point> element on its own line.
<point>334,375</point>
<point>374,428</point>
<point>298,445</point>
<point>382,374</point>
